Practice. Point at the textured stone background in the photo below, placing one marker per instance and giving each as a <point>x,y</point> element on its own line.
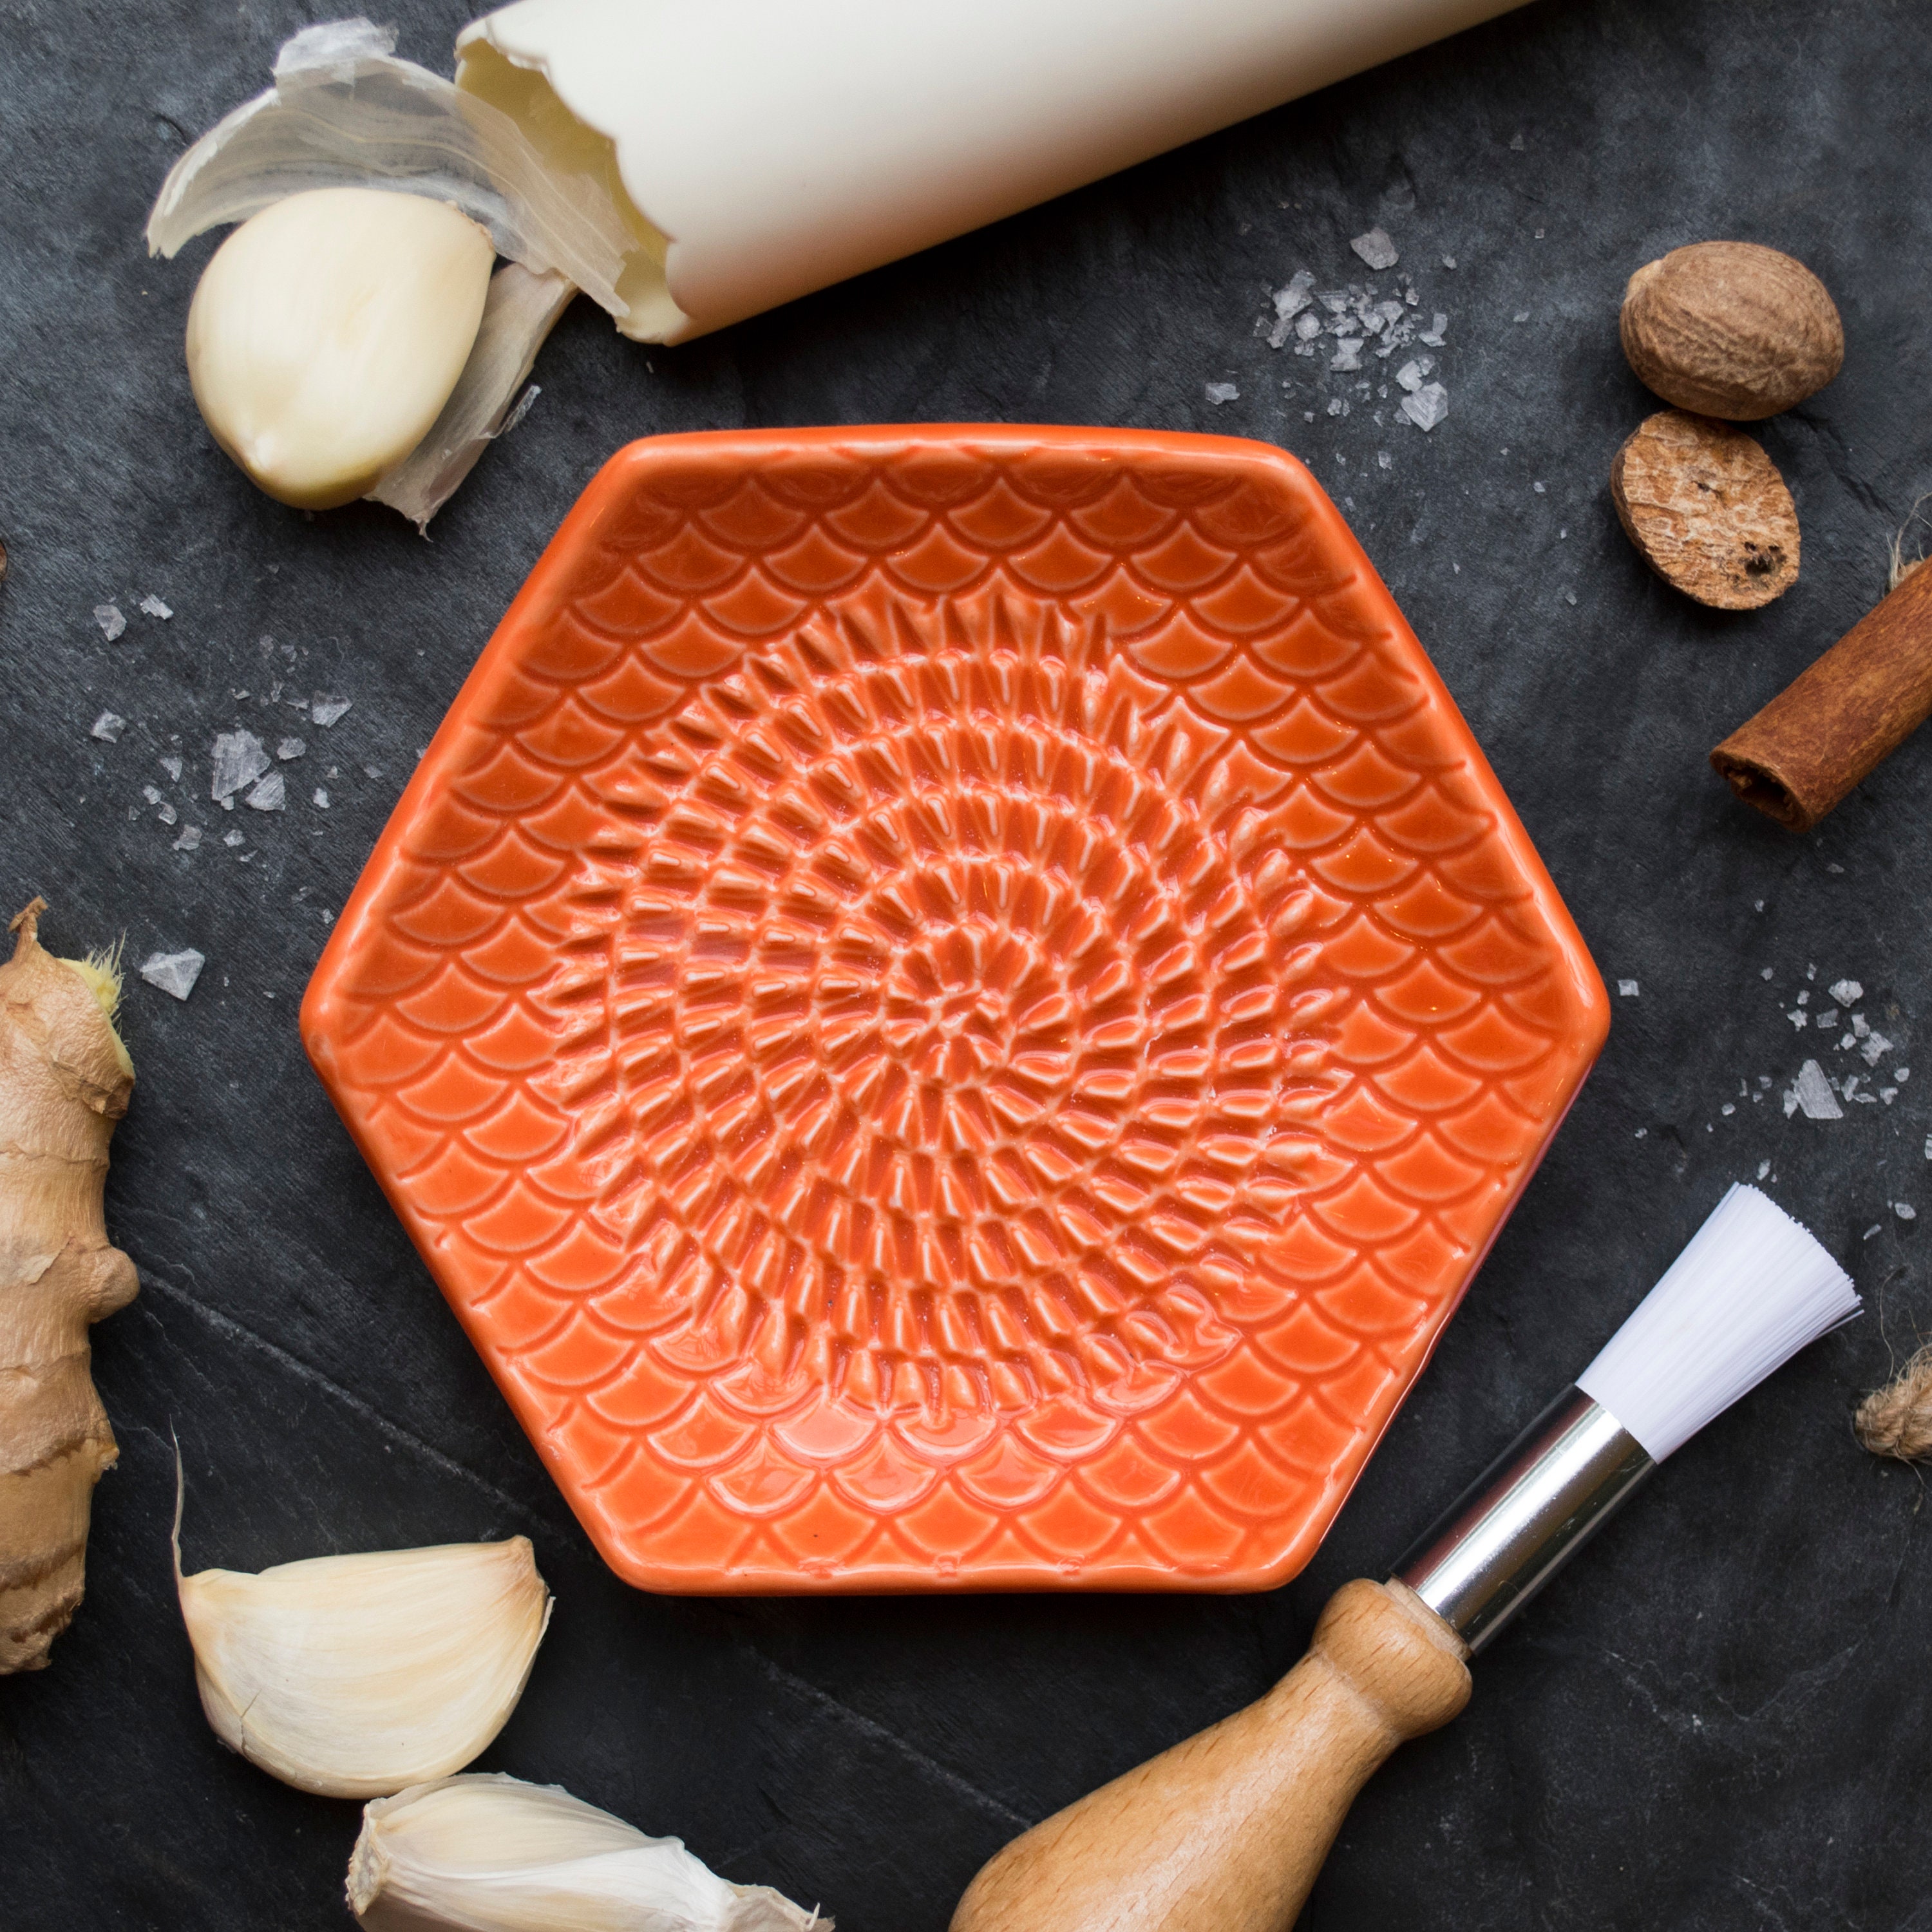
<point>1718,1720</point>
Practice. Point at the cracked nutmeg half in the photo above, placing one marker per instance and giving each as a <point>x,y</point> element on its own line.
<point>1708,510</point>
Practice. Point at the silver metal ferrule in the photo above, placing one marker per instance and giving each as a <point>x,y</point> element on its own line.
<point>1527,1514</point>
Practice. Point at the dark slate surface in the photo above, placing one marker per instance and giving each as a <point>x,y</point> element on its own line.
<point>1719,1720</point>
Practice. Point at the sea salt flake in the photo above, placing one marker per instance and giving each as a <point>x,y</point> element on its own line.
<point>290,747</point>
<point>325,710</point>
<point>1217,392</point>
<point>155,608</point>
<point>1874,1049</point>
<point>1521,315</point>
<point>1337,406</point>
<point>1727,1108</point>
<point>1847,992</point>
<point>1813,1092</point>
<point>1308,326</point>
<point>167,814</point>
<point>271,795</point>
<point>232,836</point>
<point>109,617</point>
<point>1295,294</point>
<point>1384,460</point>
<point>322,798</point>
<point>1627,989</point>
<point>238,760</point>
<point>1763,1169</point>
<point>1427,407</point>
<point>1409,376</point>
<point>190,837</point>
<point>172,767</point>
<point>1348,353</point>
<point>108,727</point>
<point>151,793</point>
<point>1905,1210</point>
<point>1861,1026</point>
<point>1888,1094</point>
<point>1376,249</point>
<point>1766,974</point>
<point>174,973</point>
<point>1876,1227</point>
<point>1901,1074</point>
<point>1517,142</point>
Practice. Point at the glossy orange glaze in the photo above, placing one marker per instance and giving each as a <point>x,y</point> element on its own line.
<point>954,1007</point>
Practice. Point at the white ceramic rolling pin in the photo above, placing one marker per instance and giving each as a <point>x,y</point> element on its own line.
<point>779,146</point>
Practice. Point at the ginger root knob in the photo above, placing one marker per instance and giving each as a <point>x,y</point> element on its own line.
<point>64,1080</point>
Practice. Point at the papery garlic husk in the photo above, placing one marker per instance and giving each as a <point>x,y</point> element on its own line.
<point>354,1676</point>
<point>484,1853</point>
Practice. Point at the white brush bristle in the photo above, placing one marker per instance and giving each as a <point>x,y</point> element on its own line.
<point>1751,1290</point>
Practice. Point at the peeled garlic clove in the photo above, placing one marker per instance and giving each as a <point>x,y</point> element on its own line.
<point>353,1676</point>
<point>486,1853</point>
<point>328,332</point>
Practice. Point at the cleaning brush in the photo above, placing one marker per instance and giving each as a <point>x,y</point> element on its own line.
<point>1225,1832</point>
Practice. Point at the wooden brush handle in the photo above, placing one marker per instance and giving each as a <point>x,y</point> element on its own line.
<point>1225,1832</point>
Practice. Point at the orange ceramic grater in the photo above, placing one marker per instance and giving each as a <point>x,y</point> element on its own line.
<point>954,1007</point>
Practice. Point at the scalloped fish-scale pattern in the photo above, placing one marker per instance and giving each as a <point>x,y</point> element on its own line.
<point>954,1009</point>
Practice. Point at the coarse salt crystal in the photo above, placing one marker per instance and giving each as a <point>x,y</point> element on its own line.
<point>322,798</point>
<point>1295,294</point>
<point>108,727</point>
<point>1627,989</point>
<point>1763,1169</point>
<point>190,837</point>
<point>1874,1049</point>
<point>238,760</point>
<point>1813,1092</point>
<point>174,973</point>
<point>172,767</point>
<point>1409,376</point>
<point>1846,992</point>
<point>290,747</point>
<point>109,617</point>
<point>1217,392</point>
<point>1905,1210</point>
<point>155,608</point>
<point>1376,249</point>
<point>232,836</point>
<point>1427,407</point>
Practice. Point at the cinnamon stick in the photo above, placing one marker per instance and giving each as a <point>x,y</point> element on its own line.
<point>1836,722</point>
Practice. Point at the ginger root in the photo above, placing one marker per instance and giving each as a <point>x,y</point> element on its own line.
<point>64,1080</point>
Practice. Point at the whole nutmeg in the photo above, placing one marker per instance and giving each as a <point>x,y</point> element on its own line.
<point>1729,329</point>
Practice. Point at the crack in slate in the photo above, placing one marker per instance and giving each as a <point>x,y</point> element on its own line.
<point>869,1727</point>
<point>227,1324</point>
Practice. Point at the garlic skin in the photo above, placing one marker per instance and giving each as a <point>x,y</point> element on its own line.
<point>327,332</point>
<point>354,1676</point>
<point>486,1853</point>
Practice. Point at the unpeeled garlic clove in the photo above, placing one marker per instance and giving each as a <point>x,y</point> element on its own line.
<point>327,334</point>
<point>484,1853</point>
<point>354,1676</point>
